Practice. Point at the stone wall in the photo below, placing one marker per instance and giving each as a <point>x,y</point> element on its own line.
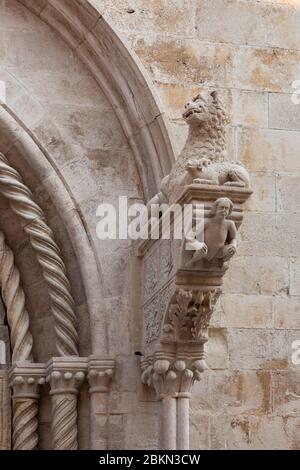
<point>249,51</point>
<point>52,93</point>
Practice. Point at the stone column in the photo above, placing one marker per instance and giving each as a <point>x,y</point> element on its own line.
<point>100,373</point>
<point>65,375</point>
<point>164,382</point>
<point>25,380</point>
<point>183,426</point>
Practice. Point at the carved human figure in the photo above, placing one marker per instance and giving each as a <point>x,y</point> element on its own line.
<point>219,235</point>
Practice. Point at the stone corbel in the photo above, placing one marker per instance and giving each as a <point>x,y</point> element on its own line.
<point>100,373</point>
<point>182,272</point>
<point>25,380</point>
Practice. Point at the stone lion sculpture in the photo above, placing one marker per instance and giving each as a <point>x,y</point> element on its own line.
<point>203,158</point>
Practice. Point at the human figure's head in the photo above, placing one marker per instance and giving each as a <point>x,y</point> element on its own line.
<point>222,206</point>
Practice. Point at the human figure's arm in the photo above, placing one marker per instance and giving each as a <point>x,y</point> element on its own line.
<point>232,234</point>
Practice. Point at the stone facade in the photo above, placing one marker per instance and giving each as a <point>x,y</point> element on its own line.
<point>78,138</point>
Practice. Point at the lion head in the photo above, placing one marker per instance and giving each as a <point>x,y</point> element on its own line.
<point>205,109</point>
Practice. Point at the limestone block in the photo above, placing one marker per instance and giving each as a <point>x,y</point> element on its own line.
<point>247,311</point>
<point>295,276</point>
<point>288,193</point>
<point>283,113</point>
<point>229,432</point>
<point>127,368</point>
<point>44,51</point>
<point>262,150</point>
<point>74,88</point>
<point>117,431</point>
<point>263,198</point>
<point>257,275</point>
<point>258,24</point>
<point>122,402</point>
<point>117,313</point>
<point>139,436</point>
<point>17,16</point>
<point>258,349</point>
<point>175,17</point>
<point>186,61</point>
<point>199,425</point>
<point>265,69</point>
<point>2,46</point>
<point>249,108</point>
<point>286,392</point>
<point>217,349</point>
<point>257,228</point>
<point>240,392</point>
<point>268,432</point>
<point>201,401</point>
<point>287,312</point>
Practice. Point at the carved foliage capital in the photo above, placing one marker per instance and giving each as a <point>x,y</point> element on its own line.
<point>172,378</point>
<point>188,315</point>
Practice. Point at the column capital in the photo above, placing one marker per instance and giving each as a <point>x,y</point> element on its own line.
<point>172,377</point>
<point>25,379</point>
<point>66,374</point>
<point>100,373</point>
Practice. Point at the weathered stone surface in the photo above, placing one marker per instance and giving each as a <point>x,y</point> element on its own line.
<point>246,311</point>
<point>287,311</point>
<point>288,193</point>
<point>249,52</point>
<point>249,23</point>
<point>286,392</point>
<point>257,275</point>
<point>262,150</point>
<point>217,348</point>
<point>258,349</point>
<point>283,112</point>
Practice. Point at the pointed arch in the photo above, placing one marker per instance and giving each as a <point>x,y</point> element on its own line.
<point>121,76</point>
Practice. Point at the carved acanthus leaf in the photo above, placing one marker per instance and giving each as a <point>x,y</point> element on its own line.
<point>189,314</point>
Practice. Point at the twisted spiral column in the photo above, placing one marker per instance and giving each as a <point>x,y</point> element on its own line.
<point>64,422</point>
<point>14,300</point>
<point>48,256</point>
<point>25,381</point>
<point>65,376</point>
<point>25,423</point>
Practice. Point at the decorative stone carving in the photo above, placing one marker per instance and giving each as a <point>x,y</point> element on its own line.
<point>188,315</point>
<point>48,255</point>
<point>65,376</point>
<point>218,238</point>
<point>100,373</point>
<point>203,158</point>
<point>172,378</point>
<point>25,381</point>
<point>175,333</point>
<point>203,171</point>
<point>14,299</point>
